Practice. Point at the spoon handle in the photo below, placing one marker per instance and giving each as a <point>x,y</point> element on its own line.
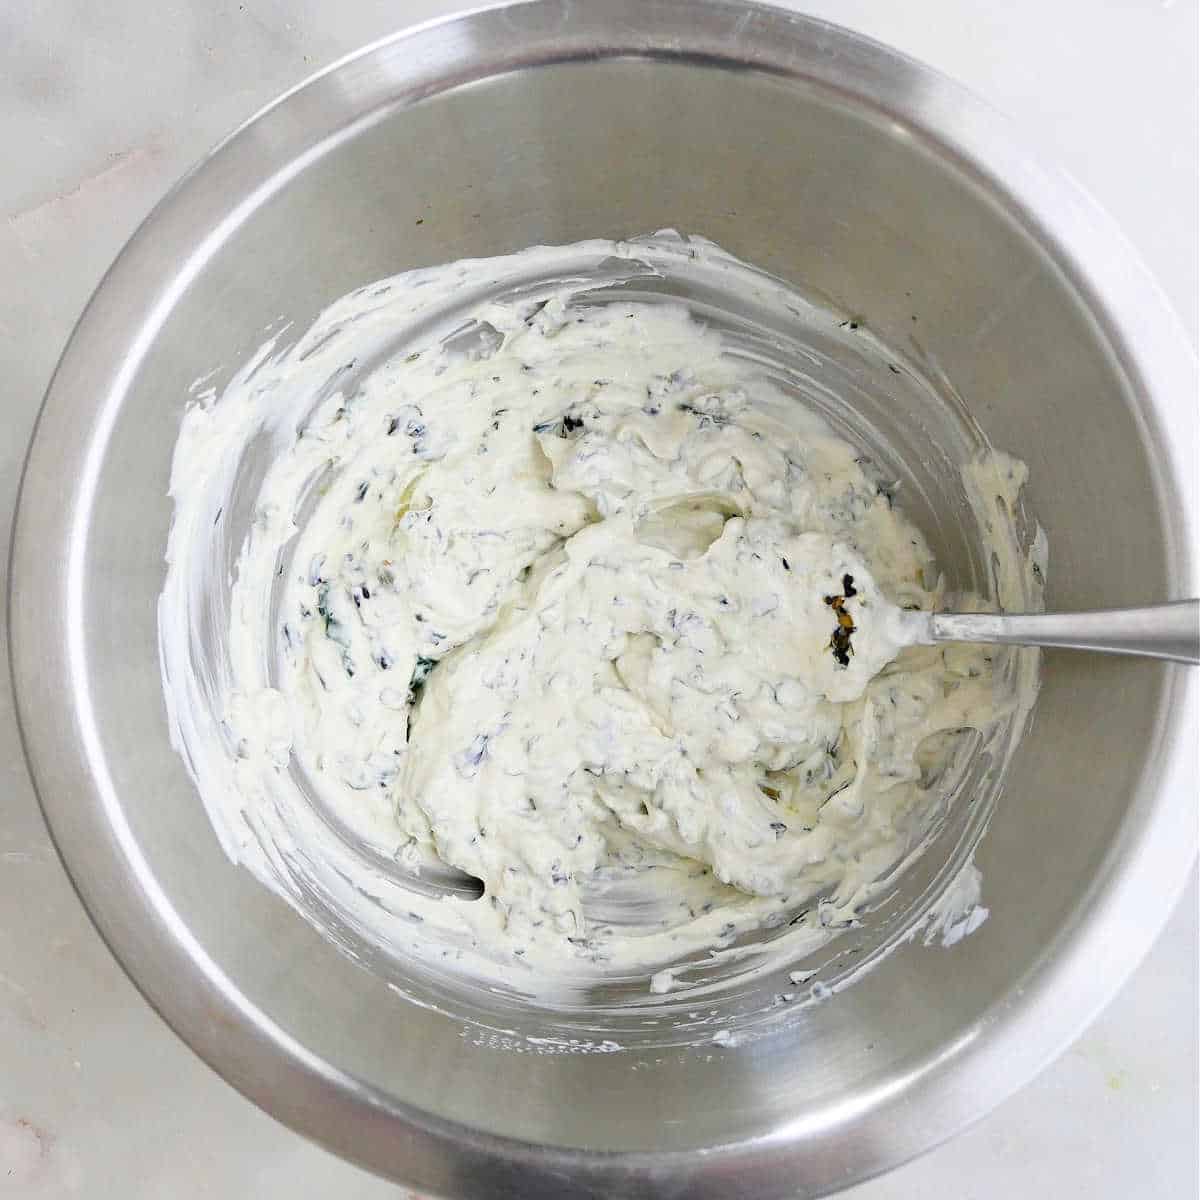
<point>1170,631</point>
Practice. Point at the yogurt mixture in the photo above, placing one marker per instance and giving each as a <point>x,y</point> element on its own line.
<point>569,601</point>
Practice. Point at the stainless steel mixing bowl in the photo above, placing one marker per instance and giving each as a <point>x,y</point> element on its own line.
<point>835,163</point>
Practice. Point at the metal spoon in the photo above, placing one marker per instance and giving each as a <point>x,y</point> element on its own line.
<point>1170,631</point>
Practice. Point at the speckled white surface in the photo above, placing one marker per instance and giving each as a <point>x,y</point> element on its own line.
<point>101,108</point>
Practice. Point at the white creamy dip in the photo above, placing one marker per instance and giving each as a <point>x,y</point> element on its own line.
<point>575,603</point>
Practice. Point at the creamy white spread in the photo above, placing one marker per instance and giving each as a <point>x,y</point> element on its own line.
<point>571,601</point>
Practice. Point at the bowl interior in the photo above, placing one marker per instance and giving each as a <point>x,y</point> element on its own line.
<point>855,208</point>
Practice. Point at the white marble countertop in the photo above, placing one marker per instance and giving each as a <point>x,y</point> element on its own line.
<point>102,106</point>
